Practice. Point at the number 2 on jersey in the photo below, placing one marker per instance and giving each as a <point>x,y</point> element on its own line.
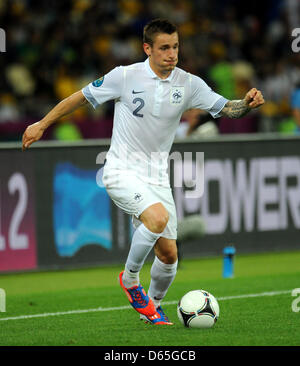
<point>139,107</point>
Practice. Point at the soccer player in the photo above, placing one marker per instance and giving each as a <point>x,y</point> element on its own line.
<point>150,98</point>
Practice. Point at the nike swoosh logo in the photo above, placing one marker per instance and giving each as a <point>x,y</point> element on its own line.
<point>137,92</point>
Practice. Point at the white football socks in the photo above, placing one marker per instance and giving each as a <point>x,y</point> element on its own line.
<point>162,276</point>
<point>143,241</point>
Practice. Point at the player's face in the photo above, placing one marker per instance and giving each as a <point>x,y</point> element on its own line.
<point>163,55</point>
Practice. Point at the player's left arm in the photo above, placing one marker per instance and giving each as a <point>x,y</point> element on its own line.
<point>239,108</point>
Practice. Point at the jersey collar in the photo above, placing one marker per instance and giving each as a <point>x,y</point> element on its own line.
<point>152,73</point>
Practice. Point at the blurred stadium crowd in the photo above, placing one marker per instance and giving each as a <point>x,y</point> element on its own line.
<point>53,48</point>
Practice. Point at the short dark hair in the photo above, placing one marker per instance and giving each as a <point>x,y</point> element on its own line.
<point>156,26</point>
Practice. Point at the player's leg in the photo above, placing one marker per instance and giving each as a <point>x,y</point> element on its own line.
<point>163,270</point>
<point>139,200</point>
<point>164,267</point>
<point>154,219</point>
<point>136,198</point>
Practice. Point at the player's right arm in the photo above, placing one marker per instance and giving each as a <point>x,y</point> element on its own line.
<point>68,105</point>
<point>97,92</point>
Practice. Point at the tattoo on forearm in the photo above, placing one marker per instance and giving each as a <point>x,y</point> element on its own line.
<point>235,109</point>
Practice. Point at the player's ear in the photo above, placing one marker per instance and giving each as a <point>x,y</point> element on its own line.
<point>147,49</point>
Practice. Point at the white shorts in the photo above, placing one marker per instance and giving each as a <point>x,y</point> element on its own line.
<point>133,196</point>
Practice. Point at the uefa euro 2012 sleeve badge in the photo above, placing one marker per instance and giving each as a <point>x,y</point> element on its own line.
<point>98,82</point>
<point>177,95</point>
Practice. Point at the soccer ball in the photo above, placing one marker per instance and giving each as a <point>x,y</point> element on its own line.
<point>198,309</point>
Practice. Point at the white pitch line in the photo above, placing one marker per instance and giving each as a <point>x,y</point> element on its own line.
<point>100,309</point>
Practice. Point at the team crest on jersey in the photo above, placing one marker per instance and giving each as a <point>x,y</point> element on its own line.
<point>177,95</point>
<point>98,82</point>
<point>137,197</point>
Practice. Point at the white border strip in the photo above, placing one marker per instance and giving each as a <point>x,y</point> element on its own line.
<point>100,309</point>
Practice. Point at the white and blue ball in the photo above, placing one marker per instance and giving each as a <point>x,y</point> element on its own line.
<point>198,309</point>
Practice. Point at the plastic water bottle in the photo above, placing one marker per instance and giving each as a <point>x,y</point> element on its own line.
<point>228,261</point>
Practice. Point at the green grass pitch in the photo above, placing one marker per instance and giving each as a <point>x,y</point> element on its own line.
<point>251,320</point>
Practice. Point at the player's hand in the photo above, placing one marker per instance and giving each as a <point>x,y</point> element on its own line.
<point>254,98</point>
<point>32,133</point>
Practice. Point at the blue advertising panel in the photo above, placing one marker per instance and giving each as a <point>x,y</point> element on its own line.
<point>81,210</point>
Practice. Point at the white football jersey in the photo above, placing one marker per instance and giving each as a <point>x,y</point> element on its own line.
<point>147,114</point>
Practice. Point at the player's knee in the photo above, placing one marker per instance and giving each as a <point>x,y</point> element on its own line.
<point>168,255</point>
<point>155,218</point>
<point>160,222</point>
